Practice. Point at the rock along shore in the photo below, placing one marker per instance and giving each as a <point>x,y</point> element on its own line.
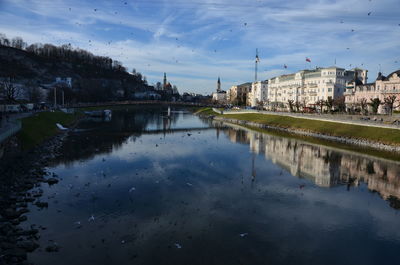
<point>21,176</point>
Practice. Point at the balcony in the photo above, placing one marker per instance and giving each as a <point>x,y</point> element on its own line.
<point>390,91</point>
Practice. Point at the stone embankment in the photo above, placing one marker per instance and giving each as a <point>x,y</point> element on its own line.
<point>345,140</point>
<point>21,178</point>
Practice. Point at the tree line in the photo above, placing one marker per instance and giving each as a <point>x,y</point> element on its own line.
<point>98,78</point>
<point>64,52</point>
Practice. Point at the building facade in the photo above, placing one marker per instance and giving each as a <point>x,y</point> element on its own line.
<point>357,95</point>
<point>307,87</point>
<point>258,94</point>
<point>237,95</point>
<point>64,80</point>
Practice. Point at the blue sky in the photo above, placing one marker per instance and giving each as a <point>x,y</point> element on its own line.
<point>196,41</point>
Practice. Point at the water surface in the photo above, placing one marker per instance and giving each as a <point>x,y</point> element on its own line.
<point>144,189</point>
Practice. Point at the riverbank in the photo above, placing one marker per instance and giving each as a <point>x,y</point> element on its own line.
<point>21,178</point>
<point>370,137</point>
<point>41,126</point>
<point>23,172</point>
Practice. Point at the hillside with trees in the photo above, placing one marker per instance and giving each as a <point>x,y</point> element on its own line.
<point>94,78</point>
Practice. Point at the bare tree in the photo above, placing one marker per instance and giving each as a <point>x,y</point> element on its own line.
<point>375,102</point>
<point>260,104</point>
<point>320,103</point>
<point>18,43</point>
<point>340,103</point>
<point>329,103</point>
<point>291,105</point>
<point>9,90</point>
<point>3,40</point>
<point>389,101</point>
<point>297,105</point>
<point>364,105</point>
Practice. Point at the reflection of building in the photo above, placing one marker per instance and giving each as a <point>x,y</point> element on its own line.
<point>323,165</point>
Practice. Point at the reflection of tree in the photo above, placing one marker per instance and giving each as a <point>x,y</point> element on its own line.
<point>325,166</point>
<point>104,136</point>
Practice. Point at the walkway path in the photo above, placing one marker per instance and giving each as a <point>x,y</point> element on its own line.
<point>338,118</point>
<point>11,126</point>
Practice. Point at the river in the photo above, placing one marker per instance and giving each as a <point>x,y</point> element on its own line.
<point>142,188</point>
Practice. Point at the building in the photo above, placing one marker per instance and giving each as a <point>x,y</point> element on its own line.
<point>258,93</point>
<point>64,80</point>
<point>219,96</point>
<point>307,87</point>
<point>238,94</point>
<point>358,94</point>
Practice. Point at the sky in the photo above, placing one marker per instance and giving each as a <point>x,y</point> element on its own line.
<point>197,41</point>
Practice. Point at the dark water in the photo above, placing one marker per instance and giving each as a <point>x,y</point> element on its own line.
<point>143,189</point>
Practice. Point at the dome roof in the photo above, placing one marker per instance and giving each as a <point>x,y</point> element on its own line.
<point>395,72</point>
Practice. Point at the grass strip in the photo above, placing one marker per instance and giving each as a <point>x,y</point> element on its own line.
<point>40,126</point>
<point>380,135</point>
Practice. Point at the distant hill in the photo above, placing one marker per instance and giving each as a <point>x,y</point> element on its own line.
<point>94,78</point>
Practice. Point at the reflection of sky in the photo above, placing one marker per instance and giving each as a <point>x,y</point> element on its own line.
<point>197,191</point>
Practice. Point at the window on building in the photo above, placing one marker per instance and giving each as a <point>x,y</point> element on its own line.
<point>329,89</point>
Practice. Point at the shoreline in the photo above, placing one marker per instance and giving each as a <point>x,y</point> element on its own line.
<point>364,146</point>
<point>339,139</point>
<point>22,175</point>
<point>315,130</point>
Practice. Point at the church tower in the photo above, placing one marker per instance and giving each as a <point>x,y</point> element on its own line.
<point>165,81</point>
<point>219,85</point>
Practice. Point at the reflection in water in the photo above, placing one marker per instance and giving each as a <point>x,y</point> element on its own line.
<point>98,135</point>
<point>152,184</point>
<point>326,166</point>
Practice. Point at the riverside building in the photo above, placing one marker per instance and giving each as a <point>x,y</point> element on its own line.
<point>258,94</point>
<point>219,96</point>
<point>358,93</point>
<point>237,95</point>
<point>307,87</point>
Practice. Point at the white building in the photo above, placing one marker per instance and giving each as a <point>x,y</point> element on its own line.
<point>64,80</point>
<point>307,87</point>
<point>220,95</point>
<point>258,93</point>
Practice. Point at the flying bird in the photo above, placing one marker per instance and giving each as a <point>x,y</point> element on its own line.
<point>369,13</point>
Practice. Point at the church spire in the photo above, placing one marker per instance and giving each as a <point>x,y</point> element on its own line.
<point>219,85</point>
<point>165,81</point>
